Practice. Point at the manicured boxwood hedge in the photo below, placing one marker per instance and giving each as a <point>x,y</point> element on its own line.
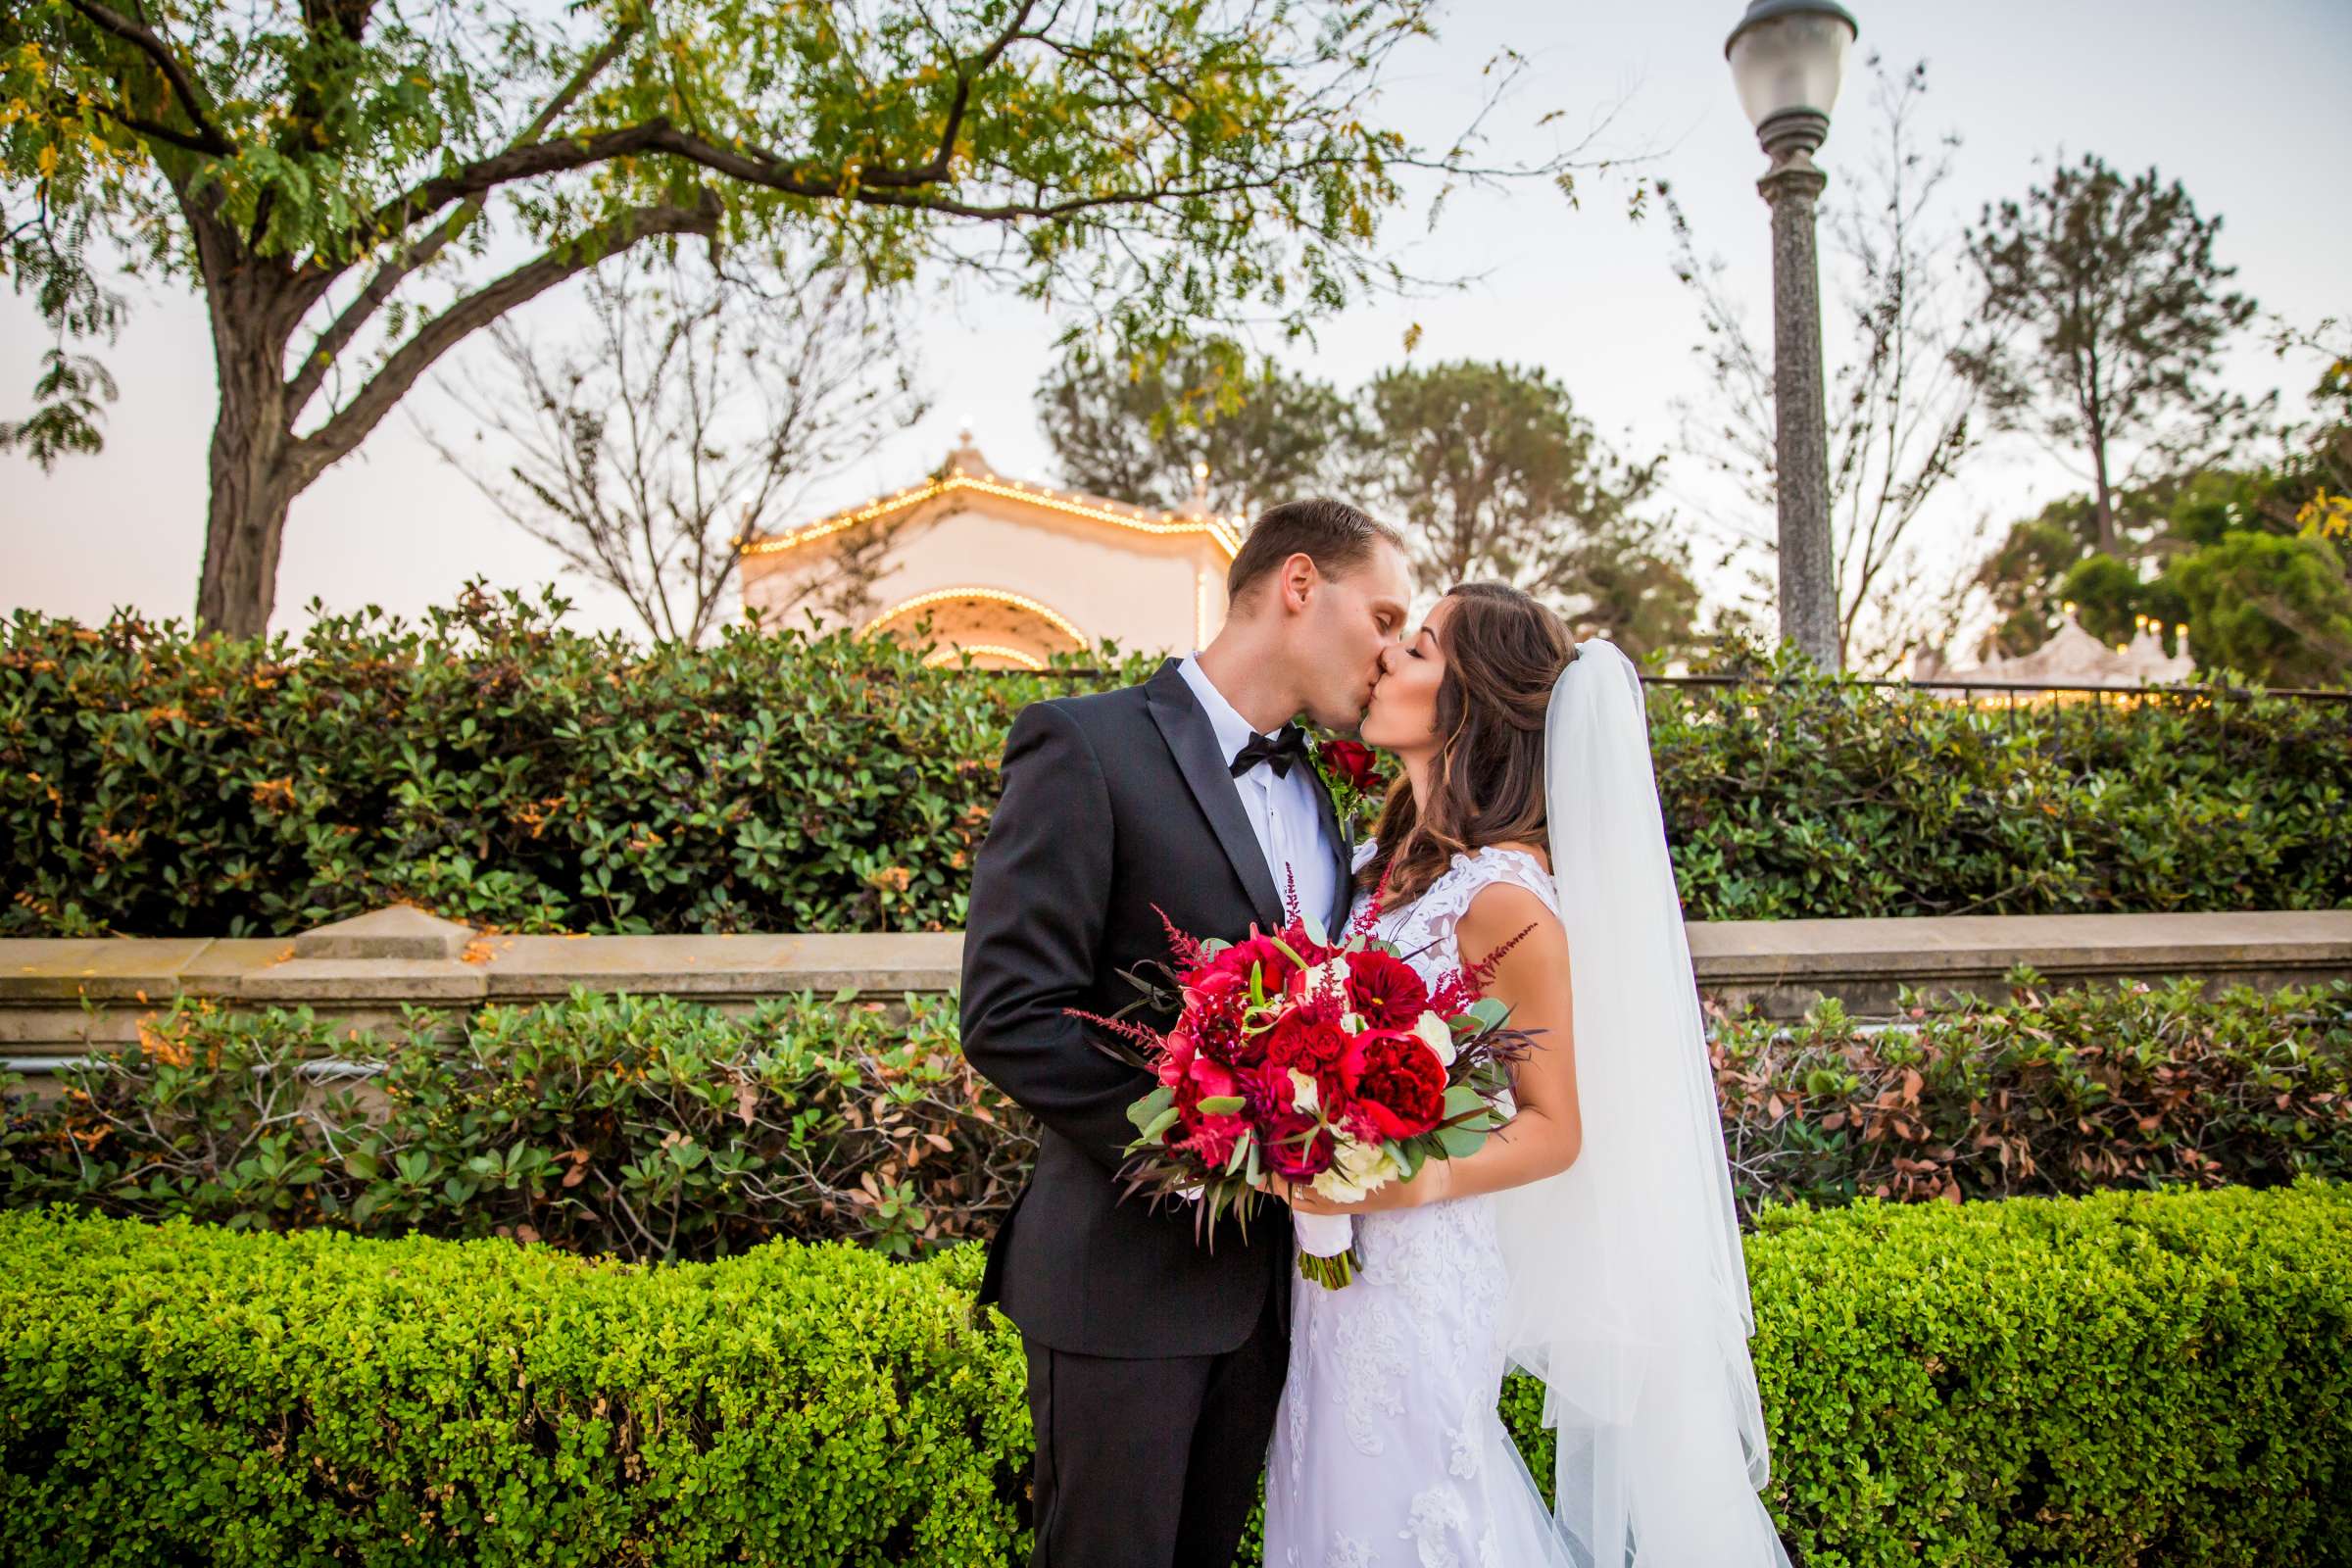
<point>2124,1379</point>
<point>499,769</point>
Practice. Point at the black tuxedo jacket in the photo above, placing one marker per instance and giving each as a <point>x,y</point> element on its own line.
<point>1112,803</point>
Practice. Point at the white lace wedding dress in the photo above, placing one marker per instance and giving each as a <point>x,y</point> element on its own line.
<point>1387,1449</point>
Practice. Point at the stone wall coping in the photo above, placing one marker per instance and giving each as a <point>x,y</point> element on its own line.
<point>1729,951</point>
<point>495,967</point>
<point>524,968</point>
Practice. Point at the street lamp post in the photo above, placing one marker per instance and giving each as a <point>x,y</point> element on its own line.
<point>1787,58</point>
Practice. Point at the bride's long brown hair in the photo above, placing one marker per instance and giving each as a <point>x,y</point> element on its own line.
<point>1504,652</point>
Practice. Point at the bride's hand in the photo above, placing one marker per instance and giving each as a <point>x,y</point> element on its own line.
<point>1429,1186</point>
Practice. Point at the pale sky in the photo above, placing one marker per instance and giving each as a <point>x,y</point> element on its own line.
<point>2244,104</point>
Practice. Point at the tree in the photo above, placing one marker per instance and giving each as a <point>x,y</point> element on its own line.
<point>1137,438</point>
<point>2275,607</point>
<point>1902,418</point>
<point>1494,474</point>
<point>699,408</point>
<point>323,176</point>
<point>2234,553</point>
<point>2320,484</point>
<point>1629,582</point>
<point>2108,314</point>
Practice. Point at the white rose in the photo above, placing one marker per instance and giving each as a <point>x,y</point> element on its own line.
<point>1302,1092</point>
<point>1440,1039</point>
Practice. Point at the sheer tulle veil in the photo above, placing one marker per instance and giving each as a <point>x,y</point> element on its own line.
<point>1627,1293</point>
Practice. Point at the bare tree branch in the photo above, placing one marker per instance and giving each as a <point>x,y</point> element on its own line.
<point>333,440</point>
<point>701,409</point>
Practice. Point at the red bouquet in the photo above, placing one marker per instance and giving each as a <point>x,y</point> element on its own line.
<point>1333,1065</point>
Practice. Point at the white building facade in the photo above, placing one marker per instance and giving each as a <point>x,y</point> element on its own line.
<point>1005,571</point>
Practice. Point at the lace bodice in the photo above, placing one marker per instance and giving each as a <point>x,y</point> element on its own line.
<point>1388,1453</point>
<point>1424,929</point>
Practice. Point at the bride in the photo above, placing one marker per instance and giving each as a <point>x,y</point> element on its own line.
<point>1592,1241</point>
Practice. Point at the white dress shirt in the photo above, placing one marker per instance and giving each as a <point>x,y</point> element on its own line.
<point>1282,811</point>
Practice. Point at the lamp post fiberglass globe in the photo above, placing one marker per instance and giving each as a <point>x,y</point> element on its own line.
<point>1787,58</point>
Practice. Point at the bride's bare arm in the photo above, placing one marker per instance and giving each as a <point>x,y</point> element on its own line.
<point>1545,1135</point>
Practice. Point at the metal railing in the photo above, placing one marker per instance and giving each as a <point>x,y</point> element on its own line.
<point>2013,690</point>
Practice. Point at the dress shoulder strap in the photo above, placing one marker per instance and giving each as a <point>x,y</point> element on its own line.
<point>1484,868</point>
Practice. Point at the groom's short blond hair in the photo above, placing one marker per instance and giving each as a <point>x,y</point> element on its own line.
<point>1335,536</point>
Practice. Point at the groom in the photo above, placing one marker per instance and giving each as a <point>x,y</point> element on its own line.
<point>1156,1362</point>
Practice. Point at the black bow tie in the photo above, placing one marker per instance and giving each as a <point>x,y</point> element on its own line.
<point>1277,750</point>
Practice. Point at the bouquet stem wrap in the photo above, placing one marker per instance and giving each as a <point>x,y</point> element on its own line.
<point>1326,1247</point>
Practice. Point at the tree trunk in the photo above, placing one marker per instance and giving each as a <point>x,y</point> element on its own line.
<point>2104,507</point>
<point>252,466</point>
<point>2095,423</point>
<point>242,534</point>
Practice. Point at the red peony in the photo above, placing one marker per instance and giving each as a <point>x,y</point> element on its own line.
<point>1349,763</point>
<point>1386,990</point>
<point>1397,1082</point>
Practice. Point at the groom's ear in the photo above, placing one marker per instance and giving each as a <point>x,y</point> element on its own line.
<point>1296,582</point>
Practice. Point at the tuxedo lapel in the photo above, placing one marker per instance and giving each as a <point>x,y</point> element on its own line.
<point>1340,848</point>
<point>1209,776</point>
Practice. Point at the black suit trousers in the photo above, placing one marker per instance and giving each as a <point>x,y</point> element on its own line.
<point>1153,1462</point>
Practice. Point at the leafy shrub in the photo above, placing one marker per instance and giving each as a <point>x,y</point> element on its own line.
<point>494,768</point>
<point>620,1123</point>
<point>2052,1090</point>
<point>499,769</point>
<point>1799,797</point>
<point>2125,1379</point>
<point>2122,1380</point>
<point>641,1126</point>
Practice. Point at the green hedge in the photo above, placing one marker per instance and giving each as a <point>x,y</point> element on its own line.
<point>499,769</point>
<point>2125,1380</point>
<point>661,1127</point>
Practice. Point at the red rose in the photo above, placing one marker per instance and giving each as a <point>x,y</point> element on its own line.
<point>1350,764</point>
<point>1308,1036</point>
<point>1295,1146</point>
<point>1386,990</point>
<point>1397,1082</point>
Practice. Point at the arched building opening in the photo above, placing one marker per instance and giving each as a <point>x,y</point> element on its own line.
<point>999,628</point>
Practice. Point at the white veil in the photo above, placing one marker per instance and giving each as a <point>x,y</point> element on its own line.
<point>1628,1295</point>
